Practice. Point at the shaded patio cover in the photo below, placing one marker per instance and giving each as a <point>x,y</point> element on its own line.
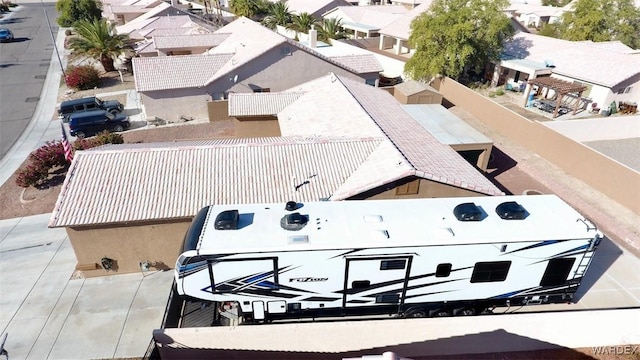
<point>561,87</point>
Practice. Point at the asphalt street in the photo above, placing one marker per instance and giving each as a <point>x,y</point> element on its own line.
<point>23,68</point>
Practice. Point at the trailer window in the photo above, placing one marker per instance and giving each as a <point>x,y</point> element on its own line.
<point>557,272</point>
<point>490,271</point>
<point>443,270</point>
<point>393,264</point>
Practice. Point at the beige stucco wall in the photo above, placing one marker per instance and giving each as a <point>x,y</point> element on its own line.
<point>258,126</point>
<point>218,110</point>
<point>158,243</point>
<point>427,189</point>
<point>611,178</point>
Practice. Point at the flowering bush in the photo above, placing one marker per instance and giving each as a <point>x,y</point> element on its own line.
<point>82,77</point>
<point>51,156</point>
<point>43,159</point>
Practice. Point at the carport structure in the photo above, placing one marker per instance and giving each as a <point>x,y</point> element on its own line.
<point>560,87</point>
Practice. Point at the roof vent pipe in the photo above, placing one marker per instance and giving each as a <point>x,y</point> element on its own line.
<point>313,37</point>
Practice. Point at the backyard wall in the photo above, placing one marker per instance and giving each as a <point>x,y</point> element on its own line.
<point>609,177</point>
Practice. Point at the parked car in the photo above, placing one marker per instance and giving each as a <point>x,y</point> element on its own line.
<point>88,104</point>
<point>6,35</point>
<point>89,123</point>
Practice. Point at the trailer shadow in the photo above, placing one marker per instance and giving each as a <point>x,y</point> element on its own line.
<point>467,347</point>
<point>605,256</point>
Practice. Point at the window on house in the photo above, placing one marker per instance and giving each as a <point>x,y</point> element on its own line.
<point>443,270</point>
<point>557,272</point>
<point>262,90</point>
<point>410,188</point>
<point>490,271</point>
<point>393,264</point>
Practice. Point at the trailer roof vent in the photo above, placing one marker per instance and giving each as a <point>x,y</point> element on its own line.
<point>511,210</point>
<point>227,220</point>
<point>467,212</point>
<point>294,221</point>
<point>291,205</point>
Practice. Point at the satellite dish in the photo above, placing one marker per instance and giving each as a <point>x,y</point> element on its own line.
<point>235,79</point>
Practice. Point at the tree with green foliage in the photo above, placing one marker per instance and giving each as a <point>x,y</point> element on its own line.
<point>456,35</point>
<point>602,20</point>
<point>278,14</point>
<point>246,8</point>
<point>95,39</point>
<point>331,29</point>
<point>302,22</point>
<point>556,3</point>
<point>75,10</point>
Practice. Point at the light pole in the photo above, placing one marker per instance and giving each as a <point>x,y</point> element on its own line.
<point>55,46</point>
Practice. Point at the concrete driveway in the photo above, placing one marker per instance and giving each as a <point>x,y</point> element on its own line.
<point>49,314</point>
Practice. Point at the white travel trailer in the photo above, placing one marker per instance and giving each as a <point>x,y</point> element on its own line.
<point>412,258</point>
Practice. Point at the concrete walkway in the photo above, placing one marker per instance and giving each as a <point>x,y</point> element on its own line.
<point>47,313</point>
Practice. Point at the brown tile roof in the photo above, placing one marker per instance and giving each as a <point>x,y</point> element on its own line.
<point>340,106</point>
<point>142,182</point>
<point>249,104</point>
<point>152,73</point>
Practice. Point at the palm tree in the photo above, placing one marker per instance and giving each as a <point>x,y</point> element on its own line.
<point>279,14</point>
<point>302,22</point>
<point>331,29</point>
<point>96,40</point>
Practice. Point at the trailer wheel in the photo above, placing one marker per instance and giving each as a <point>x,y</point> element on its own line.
<point>441,313</point>
<point>415,313</point>
<point>465,311</point>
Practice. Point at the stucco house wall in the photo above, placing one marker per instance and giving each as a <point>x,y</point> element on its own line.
<point>426,189</point>
<point>159,243</point>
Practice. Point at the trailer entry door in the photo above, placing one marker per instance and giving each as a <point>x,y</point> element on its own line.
<point>376,281</point>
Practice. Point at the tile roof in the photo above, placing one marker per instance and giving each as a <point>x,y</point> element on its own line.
<point>193,29</point>
<point>247,40</point>
<point>249,104</point>
<point>603,64</point>
<point>155,183</point>
<point>401,28</point>
<point>429,158</point>
<point>188,41</point>
<point>326,109</point>
<point>361,63</point>
<point>193,71</point>
<point>142,20</point>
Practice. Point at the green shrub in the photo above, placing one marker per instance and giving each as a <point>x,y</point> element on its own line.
<point>82,77</point>
<point>106,137</point>
<point>499,92</point>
